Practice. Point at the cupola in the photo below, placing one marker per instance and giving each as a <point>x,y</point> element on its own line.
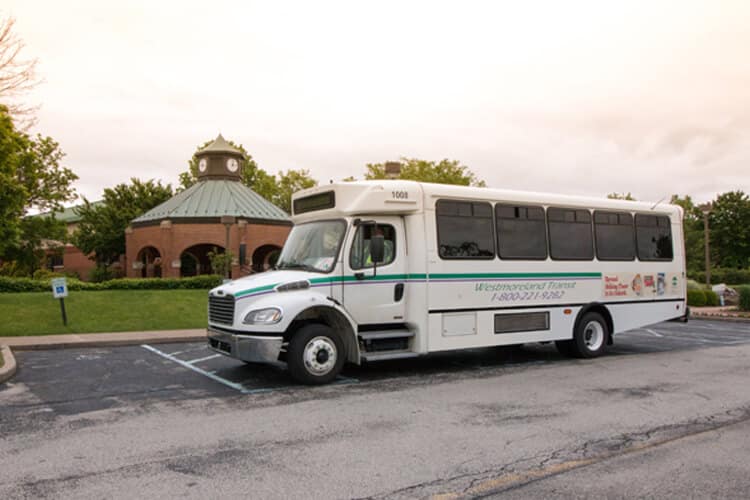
<point>220,160</point>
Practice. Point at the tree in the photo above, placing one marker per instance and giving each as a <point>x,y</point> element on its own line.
<point>277,189</point>
<point>38,234</point>
<point>443,172</point>
<point>101,231</point>
<point>621,196</point>
<point>693,229</point>
<point>289,183</point>
<point>17,75</point>
<point>31,178</point>
<point>729,223</point>
<point>12,194</point>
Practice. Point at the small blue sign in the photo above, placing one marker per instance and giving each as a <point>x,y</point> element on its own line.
<point>59,288</point>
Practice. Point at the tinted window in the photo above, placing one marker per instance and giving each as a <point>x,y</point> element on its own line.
<point>654,237</point>
<point>570,235</point>
<point>615,237</point>
<point>314,202</point>
<point>521,232</point>
<point>360,255</point>
<point>465,230</point>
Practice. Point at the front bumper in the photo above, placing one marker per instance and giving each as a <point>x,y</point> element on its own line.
<point>252,348</point>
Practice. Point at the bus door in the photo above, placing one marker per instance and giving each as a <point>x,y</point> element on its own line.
<point>374,295</point>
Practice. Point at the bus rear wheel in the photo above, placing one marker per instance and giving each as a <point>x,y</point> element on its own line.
<point>315,354</point>
<point>589,337</point>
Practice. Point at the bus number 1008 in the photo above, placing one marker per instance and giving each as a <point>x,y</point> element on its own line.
<point>400,195</point>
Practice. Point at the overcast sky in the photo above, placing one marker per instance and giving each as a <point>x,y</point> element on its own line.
<point>589,97</point>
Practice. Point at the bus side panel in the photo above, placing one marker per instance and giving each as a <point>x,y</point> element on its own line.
<point>449,331</point>
<point>629,316</point>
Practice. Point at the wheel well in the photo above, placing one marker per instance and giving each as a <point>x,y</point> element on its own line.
<point>601,309</point>
<point>334,319</point>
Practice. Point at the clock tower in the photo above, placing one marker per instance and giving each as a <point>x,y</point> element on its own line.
<point>220,160</point>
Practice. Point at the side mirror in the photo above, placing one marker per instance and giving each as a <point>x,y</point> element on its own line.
<point>377,248</point>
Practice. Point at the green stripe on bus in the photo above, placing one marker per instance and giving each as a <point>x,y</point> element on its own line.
<point>254,290</point>
<point>407,277</point>
<point>515,275</point>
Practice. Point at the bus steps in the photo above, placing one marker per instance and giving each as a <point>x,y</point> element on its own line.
<point>386,334</point>
<point>387,355</point>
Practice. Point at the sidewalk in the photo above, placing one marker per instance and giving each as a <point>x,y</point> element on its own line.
<point>102,339</point>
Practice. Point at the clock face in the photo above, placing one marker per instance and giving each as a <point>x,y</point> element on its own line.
<point>203,165</point>
<point>232,165</point>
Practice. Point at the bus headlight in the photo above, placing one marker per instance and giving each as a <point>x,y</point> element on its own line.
<point>266,316</point>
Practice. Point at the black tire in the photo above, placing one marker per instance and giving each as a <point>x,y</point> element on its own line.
<point>590,336</point>
<point>315,354</point>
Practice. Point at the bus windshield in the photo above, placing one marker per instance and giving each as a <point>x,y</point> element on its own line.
<point>313,246</point>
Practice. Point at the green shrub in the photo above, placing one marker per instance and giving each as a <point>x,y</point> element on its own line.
<point>744,303</point>
<point>712,298</point>
<point>100,273</point>
<point>45,274</point>
<point>730,276</point>
<point>694,285</point>
<point>12,269</point>
<point>696,298</point>
<point>16,285</point>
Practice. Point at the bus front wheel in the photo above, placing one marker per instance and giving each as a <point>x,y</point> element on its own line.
<point>589,337</point>
<point>315,354</point>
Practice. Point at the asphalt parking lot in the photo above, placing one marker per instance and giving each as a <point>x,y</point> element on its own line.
<point>81,380</point>
<point>177,420</point>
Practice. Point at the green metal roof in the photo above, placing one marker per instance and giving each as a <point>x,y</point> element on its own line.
<point>220,145</point>
<point>214,198</point>
<point>67,215</point>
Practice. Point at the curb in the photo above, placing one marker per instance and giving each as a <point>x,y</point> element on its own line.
<point>10,367</point>
<point>110,339</point>
<point>720,318</point>
<point>105,343</point>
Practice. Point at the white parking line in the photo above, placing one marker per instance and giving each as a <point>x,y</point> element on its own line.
<point>653,332</point>
<point>237,387</point>
<point>190,365</point>
<point>193,361</point>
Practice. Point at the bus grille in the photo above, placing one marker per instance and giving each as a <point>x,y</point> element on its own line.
<point>221,309</point>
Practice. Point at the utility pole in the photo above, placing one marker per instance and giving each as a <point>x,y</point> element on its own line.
<point>706,209</point>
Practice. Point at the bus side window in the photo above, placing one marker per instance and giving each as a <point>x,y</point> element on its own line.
<point>521,232</point>
<point>615,236</point>
<point>653,234</point>
<point>570,235</point>
<point>464,230</point>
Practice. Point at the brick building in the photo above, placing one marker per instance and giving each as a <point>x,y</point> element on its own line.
<point>66,257</point>
<point>218,212</point>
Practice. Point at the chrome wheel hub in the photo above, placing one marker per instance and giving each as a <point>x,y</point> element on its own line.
<point>593,335</point>
<point>320,355</point>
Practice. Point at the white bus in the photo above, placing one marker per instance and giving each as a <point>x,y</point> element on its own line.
<point>380,270</point>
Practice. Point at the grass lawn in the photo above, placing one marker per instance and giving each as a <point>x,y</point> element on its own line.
<point>2,361</point>
<point>103,311</point>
